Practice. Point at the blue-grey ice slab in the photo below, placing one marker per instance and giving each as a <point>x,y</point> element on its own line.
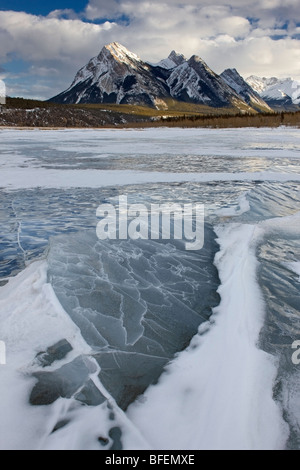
<point>136,303</point>
<point>280,286</point>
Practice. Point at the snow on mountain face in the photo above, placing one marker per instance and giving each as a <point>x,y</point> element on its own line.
<point>194,81</point>
<point>249,95</point>
<point>119,76</point>
<point>102,64</point>
<point>173,60</point>
<point>116,75</point>
<point>285,89</point>
<point>184,84</point>
<point>259,84</point>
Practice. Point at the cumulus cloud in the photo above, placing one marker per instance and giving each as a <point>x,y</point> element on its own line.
<point>43,71</point>
<point>66,13</point>
<point>259,37</point>
<point>37,38</point>
<point>259,56</point>
<point>97,9</point>
<point>276,9</point>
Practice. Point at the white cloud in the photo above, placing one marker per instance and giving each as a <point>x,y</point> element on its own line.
<point>103,9</point>
<point>256,8</point>
<point>259,56</point>
<point>43,71</point>
<point>66,13</point>
<point>35,38</point>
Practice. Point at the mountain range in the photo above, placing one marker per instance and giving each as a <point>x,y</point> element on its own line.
<point>278,93</point>
<point>119,76</point>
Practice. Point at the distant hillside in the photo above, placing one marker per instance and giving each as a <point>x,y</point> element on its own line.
<point>32,113</point>
<point>20,112</point>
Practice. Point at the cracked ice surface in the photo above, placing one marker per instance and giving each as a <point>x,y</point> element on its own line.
<point>136,303</point>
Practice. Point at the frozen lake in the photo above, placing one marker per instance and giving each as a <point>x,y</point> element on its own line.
<point>141,344</point>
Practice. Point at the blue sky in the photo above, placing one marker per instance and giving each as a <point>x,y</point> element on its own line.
<point>44,7</point>
<point>44,43</point>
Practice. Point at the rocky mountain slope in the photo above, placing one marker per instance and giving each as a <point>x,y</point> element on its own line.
<point>119,76</point>
<point>249,95</point>
<point>284,93</point>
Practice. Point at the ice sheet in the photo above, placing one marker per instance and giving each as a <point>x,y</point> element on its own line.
<point>31,319</point>
<point>136,302</point>
<point>58,159</point>
<point>29,178</point>
<point>295,267</point>
<point>223,382</point>
<point>219,392</point>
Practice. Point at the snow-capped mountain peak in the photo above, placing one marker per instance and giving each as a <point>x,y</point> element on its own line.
<point>173,60</point>
<point>280,90</point>
<point>103,63</point>
<point>196,58</point>
<point>195,82</point>
<point>249,95</point>
<point>120,53</point>
<point>233,79</point>
<point>260,83</point>
<point>117,75</point>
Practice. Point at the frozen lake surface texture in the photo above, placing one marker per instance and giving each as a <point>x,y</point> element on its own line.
<point>142,344</point>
